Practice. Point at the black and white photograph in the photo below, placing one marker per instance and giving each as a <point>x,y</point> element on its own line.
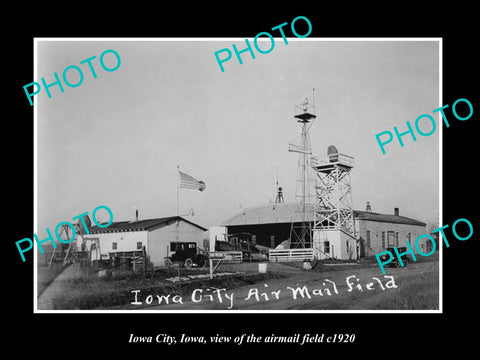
<point>256,188</point>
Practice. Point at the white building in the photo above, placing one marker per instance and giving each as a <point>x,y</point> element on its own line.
<point>376,232</point>
<point>127,238</point>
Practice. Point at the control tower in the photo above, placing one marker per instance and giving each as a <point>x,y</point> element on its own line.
<point>333,228</point>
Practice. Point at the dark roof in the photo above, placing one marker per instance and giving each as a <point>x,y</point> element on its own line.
<point>147,224</point>
<point>390,218</point>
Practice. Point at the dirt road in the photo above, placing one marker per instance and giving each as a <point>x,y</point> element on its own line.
<point>351,289</point>
<point>44,302</point>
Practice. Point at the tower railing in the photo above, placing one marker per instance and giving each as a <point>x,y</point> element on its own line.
<point>340,159</point>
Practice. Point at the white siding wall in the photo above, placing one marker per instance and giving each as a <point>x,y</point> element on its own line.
<point>376,228</point>
<point>126,241</point>
<point>216,233</point>
<point>341,246</point>
<point>156,241</point>
<point>159,240</point>
<point>348,247</point>
<point>330,236</point>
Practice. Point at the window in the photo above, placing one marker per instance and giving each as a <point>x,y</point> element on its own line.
<point>326,247</point>
<point>139,245</point>
<point>396,239</point>
<point>192,246</point>
<point>368,238</point>
<point>428,246</point>
<point>390,238</point>
<point>173,246</point>
<point>272,241</point>
<point>383,240</point>
<point>114,246</point>
<point>409,238</point>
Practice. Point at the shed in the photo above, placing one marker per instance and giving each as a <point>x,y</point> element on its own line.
<point>127,238</point>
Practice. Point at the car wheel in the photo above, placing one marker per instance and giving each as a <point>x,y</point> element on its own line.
<point>188,263</point>
<point>168,263</point>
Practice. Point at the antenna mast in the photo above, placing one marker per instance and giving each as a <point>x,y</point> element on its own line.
<point>301,229</point>
<point>279,198</point>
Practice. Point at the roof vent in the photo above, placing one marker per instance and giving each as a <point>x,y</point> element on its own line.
<point>369,207</point>
<point>136,215</point>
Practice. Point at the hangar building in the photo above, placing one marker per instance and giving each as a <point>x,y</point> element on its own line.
<point>270,226</point>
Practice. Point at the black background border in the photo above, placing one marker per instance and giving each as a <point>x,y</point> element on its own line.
<point>108,333</point>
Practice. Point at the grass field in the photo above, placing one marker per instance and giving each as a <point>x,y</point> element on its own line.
<point>98,293</point>
<point>414,292</point>
<point>417,291</point>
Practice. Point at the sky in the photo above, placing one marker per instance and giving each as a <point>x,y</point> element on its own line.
<point>117,140</point>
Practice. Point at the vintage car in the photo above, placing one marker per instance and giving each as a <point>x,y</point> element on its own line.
<point>184,254</point>
<point>395,262</point>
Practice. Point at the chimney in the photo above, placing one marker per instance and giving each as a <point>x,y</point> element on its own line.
<point>369,208</point>
<point>395,211</point>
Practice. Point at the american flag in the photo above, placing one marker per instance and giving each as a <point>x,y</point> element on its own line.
<point>189,182</point>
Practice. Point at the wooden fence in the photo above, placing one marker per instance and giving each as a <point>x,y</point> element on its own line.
<point>291,255</point>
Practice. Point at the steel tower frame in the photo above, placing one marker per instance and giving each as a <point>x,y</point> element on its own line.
<point>333,206</point>
<point>301,234</point>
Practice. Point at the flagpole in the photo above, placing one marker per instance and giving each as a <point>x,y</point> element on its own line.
<point>178,186</point>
